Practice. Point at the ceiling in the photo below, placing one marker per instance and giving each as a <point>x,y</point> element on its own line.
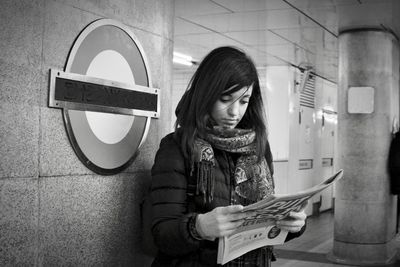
<point>278,32</point>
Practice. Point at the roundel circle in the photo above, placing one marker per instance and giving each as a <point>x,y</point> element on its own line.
<point>110,128</point>
<point>107,143</point>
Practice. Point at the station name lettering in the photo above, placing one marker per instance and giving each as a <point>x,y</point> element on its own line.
<point>98,94</point>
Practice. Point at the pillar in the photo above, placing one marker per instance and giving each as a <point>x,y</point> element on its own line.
<point>365,211</point>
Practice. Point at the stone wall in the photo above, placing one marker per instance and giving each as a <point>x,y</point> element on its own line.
<point>53,210</point>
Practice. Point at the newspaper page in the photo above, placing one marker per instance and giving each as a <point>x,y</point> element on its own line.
<point>251,235</point>
<point>260,230</point>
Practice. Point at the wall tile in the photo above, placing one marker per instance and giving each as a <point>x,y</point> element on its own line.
<point>62,26</point>
<point>153,49</point>
<point>167,104</point>
<point>57,156</point>
<point>18,221</point>
<point>21,24</point>
<point>90,220</point>
<point>19,120</point>
<point>74,217</point>
<point>148,15</point>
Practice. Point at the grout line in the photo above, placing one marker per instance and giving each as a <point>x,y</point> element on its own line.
<point>289,41</point>
<point>315,21</point>
<point>38,244</point>
<point>224,7</point>
<point>252,47</point>
<point>233,39</point>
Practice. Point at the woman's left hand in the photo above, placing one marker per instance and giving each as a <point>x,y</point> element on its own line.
<point>294,222</point>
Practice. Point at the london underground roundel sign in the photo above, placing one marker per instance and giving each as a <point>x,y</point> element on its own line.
<point>106,96</point>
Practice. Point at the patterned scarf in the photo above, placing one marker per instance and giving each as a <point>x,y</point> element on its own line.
<point>252,178</point>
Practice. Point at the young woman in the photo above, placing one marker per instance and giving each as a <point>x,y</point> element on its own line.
<point>220,149</point>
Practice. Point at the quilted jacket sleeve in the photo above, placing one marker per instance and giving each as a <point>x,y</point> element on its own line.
<point>168,192</point>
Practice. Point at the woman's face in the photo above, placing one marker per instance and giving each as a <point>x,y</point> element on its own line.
<point>230,108</point>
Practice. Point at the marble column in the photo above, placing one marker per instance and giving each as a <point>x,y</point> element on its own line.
<point>365,211</point>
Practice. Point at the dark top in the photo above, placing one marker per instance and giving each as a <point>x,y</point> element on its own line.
<point>176,245</point>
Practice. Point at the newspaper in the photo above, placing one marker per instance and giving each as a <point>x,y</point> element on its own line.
<point>260,230</point>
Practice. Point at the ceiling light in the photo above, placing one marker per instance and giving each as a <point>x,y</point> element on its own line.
<point>188,58</point>
<point>182,59</point>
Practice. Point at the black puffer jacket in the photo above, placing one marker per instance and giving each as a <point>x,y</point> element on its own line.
<point>170,209</point>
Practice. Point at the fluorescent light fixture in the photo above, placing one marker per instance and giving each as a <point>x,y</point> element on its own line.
<point>188,58</point>
<point>182,59</point>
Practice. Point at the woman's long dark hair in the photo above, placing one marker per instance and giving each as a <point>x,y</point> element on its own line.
<point>220,69</point>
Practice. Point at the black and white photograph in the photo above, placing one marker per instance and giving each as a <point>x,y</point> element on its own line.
<point>178,133</point>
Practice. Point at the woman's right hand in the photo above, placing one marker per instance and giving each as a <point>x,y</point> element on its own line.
<point>220,221</point>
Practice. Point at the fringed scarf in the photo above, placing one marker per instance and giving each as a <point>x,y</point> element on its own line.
<point>252,178</point>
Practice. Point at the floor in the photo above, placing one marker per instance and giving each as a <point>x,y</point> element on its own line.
<point>311,249</point>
